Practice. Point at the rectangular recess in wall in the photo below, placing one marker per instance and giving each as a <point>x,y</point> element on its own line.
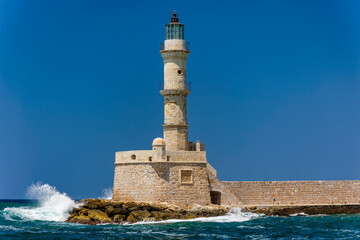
<point>186,176</point>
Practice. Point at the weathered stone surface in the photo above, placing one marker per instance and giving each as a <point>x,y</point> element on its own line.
<point>84,211</point>
<point>109,210</point>
<point>82,219</point>
<point>121,211</point>
<point>99,216</point>
<point>138,215</point>
<point>190,216</point>
<point>119,218</point>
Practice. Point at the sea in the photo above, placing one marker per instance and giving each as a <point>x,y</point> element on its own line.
<point>44,216</point>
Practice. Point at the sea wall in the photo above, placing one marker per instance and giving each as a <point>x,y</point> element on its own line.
<point>301,210</point>
<point>296,192</point>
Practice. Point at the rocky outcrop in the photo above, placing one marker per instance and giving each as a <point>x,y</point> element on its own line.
<point>96,211</point>
<point>303,209</point>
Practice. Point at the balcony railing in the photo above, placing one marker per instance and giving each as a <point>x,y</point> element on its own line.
<point>187,46</point>
<point>161,86</point>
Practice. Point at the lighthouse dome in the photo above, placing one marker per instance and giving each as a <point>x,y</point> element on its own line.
<point>158,141</point>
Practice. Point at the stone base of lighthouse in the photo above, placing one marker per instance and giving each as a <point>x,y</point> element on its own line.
<point>184,178</point>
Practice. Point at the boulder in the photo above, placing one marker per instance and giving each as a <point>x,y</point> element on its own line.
<point>119,218</point>
<point>121,211</point>
<point>99,216</point>
<point>76,210</point>
<point>138,215</point>
<point>109,210</point>
<point>189,216</point>
<point>84,211</point>
<point>81,219</point>
<point>160,215</point>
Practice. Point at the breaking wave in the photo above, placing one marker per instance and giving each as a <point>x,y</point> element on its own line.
<point>234,215</point>
<point>52,205</point>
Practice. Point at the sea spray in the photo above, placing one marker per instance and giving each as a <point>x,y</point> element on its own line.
<point>106,193</point>
<point>52,205</point>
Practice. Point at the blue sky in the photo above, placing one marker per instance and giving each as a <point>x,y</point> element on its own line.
<point>275,88</point>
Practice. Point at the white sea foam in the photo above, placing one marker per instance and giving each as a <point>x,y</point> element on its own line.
<point>300,214</point>
<point>53,205</point>
<point>234,215</point>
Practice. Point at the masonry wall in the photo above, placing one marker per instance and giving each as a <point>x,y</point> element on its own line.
<point>141,182</point>
<point>161,182</point>
<point>227,196</point>
<point>296,192</point>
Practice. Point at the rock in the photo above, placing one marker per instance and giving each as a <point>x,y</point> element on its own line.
<point>117,204</point>
<point>84,211</point>
<point>95,211</point>
<point>76,210</point>
<point>81,219</point>
<point>174,208</point>
<point>137,206</point>
<point>95,204</point>
<point>99,216</point>
<point>138,215</point>
<point>190,216</point>
<point>160,206</point>
<point>109,210</point>
<point>131,218</point>
<point>129,205</point>
<point>119,218</point>
<point>160,215</point>
<point>121,211</point>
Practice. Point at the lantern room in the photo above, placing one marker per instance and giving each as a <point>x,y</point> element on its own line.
<point>174,30</point>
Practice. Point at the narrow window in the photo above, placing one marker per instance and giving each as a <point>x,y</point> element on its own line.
<point>133,157</point>
<point>150,159</point>
<point>168,158</point>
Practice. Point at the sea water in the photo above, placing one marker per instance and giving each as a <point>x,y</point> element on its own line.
<point>44,217</point>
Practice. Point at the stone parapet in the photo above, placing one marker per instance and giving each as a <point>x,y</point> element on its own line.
<point>145,156</point>
<point>133,156</point>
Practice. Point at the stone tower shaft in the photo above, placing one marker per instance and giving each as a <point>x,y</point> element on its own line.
<point>175,53</point>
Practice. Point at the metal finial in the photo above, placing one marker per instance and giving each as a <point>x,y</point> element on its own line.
<point>174,18</point>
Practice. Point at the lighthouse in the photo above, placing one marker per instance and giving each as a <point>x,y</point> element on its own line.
<point>175,170</point>
<point>175,90</point>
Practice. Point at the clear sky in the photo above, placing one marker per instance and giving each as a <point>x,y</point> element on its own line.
<point>275,88</point>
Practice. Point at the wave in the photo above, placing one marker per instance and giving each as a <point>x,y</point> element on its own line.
<point>52,206</point>
<point>234,215</point>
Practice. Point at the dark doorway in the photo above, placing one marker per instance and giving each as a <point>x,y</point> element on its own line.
<point>215,197</point>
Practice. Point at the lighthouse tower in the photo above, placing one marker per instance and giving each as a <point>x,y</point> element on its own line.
<point>175,52</point>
